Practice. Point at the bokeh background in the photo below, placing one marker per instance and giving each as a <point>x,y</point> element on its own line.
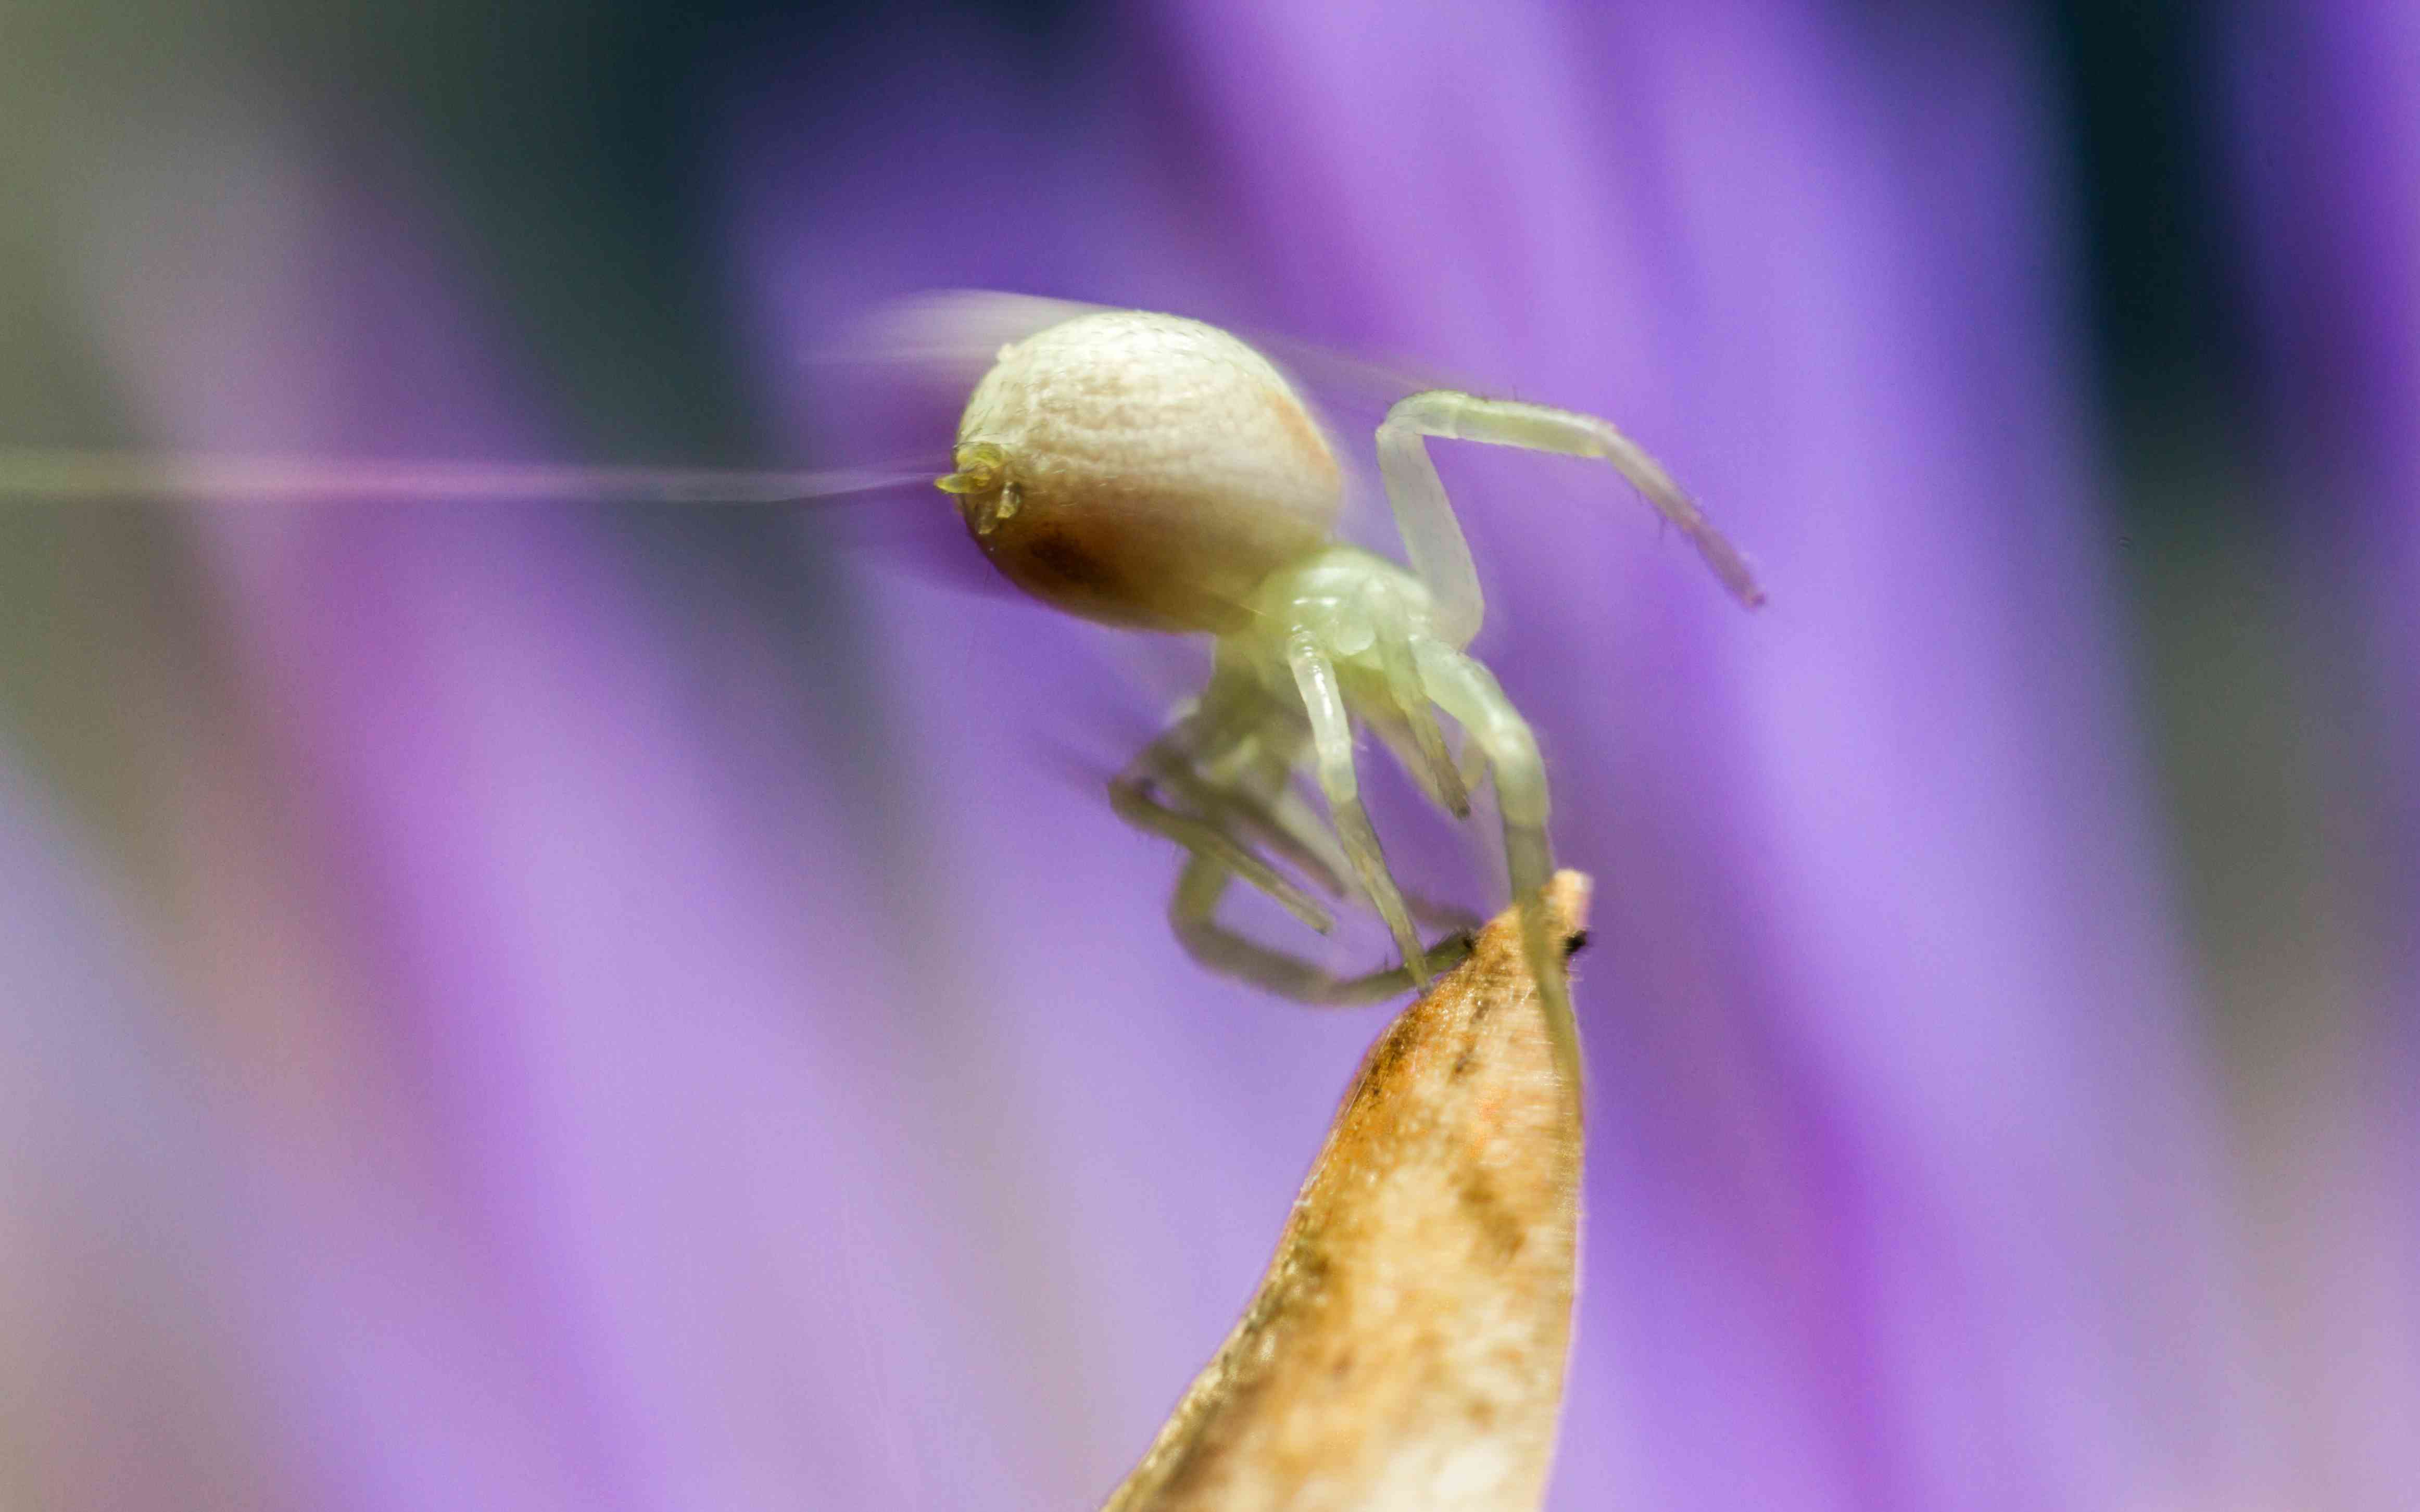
<point>517,1005</point>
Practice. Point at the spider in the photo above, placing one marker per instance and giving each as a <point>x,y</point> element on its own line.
<point>1154,472</point>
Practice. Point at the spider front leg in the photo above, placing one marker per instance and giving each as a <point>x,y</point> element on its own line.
<point>1331,734</point>
<point>1432,537</point>
<point>1470,693</point>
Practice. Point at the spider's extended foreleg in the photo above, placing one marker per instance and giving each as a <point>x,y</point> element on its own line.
<point>1470,692</point>
<point>1432,537</point>
<point>1194,915</point>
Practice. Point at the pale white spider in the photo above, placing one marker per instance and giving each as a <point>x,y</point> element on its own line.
<point>1155,472</point>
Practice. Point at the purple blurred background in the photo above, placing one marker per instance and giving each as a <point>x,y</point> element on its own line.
<point>568,1006</point>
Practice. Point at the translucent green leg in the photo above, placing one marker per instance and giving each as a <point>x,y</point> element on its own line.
<point>1266,778</point>
<point>1331,734</point>
<point>1432,537</point>
<point>1434,765</point>
<point>1224,783</point>
<point>1131,795</point>
<point>1468,691</point>
<point>1194,915</point>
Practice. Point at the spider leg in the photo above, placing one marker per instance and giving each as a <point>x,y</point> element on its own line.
<point>1132,796</point>
<point>1241,784</point>
<point>1272,800</point>
<point>1439,777</point>
<point>1470,692</point>
<point>1432,537</point>
<point>1193,912</point>
<point>1331,734</point>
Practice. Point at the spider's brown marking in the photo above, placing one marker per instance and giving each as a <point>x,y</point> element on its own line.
<point>1067,565</point>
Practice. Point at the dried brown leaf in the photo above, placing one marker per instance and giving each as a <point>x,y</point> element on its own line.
<point>1406,1348</point>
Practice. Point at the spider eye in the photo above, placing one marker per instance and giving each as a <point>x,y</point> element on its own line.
<point>980,467</point>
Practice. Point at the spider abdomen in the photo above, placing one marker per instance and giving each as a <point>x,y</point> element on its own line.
<point>1142,470</point>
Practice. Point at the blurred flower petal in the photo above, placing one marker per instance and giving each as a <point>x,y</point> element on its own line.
<point>2328,151</point>
<point>139,1375</point>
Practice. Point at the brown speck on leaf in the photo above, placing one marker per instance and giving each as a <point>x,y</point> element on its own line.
<point>1406,1348</point>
